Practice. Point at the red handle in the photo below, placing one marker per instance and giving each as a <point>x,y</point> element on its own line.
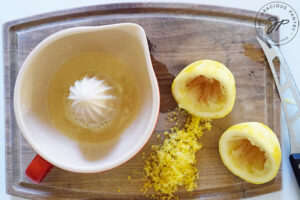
<point>38,169</point>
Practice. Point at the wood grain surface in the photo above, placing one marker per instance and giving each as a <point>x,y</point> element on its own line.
<point>178,34</point>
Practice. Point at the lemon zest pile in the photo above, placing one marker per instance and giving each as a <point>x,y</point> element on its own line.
<point>172,164</point>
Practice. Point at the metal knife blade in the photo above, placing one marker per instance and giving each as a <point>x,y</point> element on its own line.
<point>271,53</point>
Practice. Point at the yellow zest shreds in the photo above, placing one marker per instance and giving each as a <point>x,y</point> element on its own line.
<point>172,164</point>
<point>177,116</point>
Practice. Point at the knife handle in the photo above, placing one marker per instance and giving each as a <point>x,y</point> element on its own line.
<point>295,163</point>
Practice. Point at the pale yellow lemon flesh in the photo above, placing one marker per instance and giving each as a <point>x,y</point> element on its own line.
<point>205,89</point>
<point>251,151</point>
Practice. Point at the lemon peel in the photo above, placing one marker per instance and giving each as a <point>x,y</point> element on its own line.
<point>251,151</point>
<point>205,89</point>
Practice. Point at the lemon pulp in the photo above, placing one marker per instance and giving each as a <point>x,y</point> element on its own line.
<point>246,155</point>
<point>206,91</point>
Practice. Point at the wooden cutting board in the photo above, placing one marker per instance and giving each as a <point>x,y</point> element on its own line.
<point>178,34</point>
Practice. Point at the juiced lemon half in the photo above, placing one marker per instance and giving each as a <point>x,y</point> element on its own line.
<point>205,89</point>
<point>251,151</point>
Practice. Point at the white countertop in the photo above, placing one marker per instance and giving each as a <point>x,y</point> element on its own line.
<point>13,9</point>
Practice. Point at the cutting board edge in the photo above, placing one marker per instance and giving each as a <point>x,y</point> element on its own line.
<point>90,10</point>
<point>11,26</point>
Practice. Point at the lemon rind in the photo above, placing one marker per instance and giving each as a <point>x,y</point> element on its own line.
<point>261,136</point>
<point>209,69</point>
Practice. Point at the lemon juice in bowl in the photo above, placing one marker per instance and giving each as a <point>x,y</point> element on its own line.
<point>92,97</point>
